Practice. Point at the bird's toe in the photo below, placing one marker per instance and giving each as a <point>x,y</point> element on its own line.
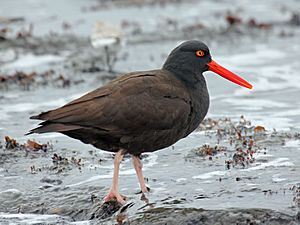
<point>115,196</point>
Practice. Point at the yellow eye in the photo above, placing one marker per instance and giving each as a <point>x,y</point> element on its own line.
<point>200,53</point>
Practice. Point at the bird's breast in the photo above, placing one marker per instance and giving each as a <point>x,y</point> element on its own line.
<point>199,105</point>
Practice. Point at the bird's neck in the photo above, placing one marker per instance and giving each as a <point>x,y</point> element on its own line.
<point>189,77</point>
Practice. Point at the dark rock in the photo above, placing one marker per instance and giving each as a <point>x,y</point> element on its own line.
<point>295,19</point>
<point>194,216</point>
<point>105,210</point>
<point>51,181</point>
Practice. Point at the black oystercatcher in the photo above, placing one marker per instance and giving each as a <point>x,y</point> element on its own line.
<point>141,111</point>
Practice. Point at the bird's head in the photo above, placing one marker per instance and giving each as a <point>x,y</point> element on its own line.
<point>190,59</point>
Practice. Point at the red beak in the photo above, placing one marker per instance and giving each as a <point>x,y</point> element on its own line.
<point>215,67</point>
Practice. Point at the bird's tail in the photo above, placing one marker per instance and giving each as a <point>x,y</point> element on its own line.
<point>48,126</point>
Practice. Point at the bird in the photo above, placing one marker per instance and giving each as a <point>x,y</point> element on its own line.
<point>141,111</point>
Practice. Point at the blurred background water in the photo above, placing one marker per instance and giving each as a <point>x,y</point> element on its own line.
<point>265,52</point>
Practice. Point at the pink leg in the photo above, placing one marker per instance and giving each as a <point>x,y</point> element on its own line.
<point>114,192</point>
<point>138,169</point>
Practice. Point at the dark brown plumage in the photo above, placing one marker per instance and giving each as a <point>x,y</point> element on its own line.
<point>141,111</point>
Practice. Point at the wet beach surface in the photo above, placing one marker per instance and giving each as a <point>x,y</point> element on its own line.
<point>233,168</point>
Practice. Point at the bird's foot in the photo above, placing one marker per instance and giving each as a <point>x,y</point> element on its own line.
<point>143,191</point>
<point>115,196</point>
<point>144,198</point>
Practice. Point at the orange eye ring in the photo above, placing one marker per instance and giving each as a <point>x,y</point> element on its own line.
<point>200,53</point>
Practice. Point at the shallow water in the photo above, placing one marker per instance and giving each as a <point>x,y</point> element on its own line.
<point>176,176</point>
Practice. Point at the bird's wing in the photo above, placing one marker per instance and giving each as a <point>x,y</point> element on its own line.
<point>148,100</point>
